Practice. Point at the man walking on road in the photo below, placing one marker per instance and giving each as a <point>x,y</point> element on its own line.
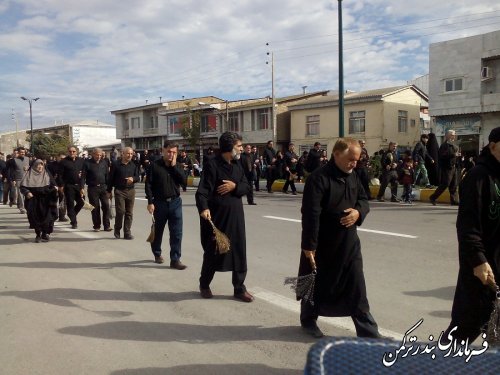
<point>270,162</point>
<point>389,163</point>
<point>478,230</point>
<point>163,182</point>
<point>19,165</point>
<point>247,164</point>
<point>333,204</point>
<point>291,160</point>
<point>123,175</point>
<point>70,181</point>
<point>447,160</point>
<point>362,168</point>
<point>218,198</point>
<point>96,173</point>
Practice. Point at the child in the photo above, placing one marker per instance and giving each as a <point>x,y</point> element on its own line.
<point>406,178</point>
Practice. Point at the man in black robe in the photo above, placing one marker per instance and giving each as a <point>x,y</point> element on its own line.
<point>334,203</point>
<point>478,230</point>
<point>218,198</point>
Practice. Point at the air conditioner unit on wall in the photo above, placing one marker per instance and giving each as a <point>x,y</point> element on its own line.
<point>486,73</point>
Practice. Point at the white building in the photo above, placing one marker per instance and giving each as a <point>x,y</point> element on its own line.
<point>464,88</point>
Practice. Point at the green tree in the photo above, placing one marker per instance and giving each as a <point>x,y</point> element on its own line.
<point>45,145</point>
<point>191,127</point>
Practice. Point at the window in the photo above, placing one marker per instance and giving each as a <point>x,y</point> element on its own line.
<point>153,122</point>
<point>208,124</point>
<point>402,121</point>
<point>126,124</point>
<point>262,119</point>
<point>312,125</point>
<point>356,122</point>
<point>135,123</point>
<point>234,122</point>
<point>455,84</point>
<point>175,124</point>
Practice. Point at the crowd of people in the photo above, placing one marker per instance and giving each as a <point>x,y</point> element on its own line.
<point>334,203</point>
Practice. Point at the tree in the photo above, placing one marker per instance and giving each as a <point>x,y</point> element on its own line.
<point>191,127</point>
<point>45,145</point>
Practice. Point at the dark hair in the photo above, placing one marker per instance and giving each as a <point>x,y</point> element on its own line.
<point>227,141</point>
<point>20,148</point>
<point>269,142</point>
<point>424,136</point>
<point>317,144</point>
<point>168,144</point>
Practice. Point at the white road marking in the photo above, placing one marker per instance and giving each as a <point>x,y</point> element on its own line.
<point>294,306</point>
<point>360,229</point>
<point>91,235</point>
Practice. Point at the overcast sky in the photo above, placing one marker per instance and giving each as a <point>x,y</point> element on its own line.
<point>86,58</point>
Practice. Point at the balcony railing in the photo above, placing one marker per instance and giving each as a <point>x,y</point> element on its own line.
<point>150,131</point>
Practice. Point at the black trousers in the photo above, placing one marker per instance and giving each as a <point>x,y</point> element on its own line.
<point>208,273</point>
<point>257,179</point>
<point>289,182</point>
<point>61,205</point>
<point>98,197</point>
<point>250,182</point>
<point>363,321</point>
<point>124,205</point>
<point>392,178</point>
<point>72,195</point>
<point>447,179</point>
<point>365,180</point>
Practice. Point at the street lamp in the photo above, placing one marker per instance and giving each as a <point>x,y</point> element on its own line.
<point>31,121</point>
<point>341,73</point>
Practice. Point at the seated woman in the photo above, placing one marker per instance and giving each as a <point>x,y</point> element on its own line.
<point>40,191</point>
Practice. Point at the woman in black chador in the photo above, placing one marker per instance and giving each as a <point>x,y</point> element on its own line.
<point>40,191</point>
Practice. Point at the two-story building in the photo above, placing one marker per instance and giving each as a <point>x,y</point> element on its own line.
<point>464,91</point>
<point>377,116</point>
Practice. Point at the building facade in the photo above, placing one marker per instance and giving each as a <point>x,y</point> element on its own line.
<point>394,114</point>
<point>464,91</point>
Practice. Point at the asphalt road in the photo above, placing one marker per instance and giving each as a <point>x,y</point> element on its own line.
<point>87,303</point>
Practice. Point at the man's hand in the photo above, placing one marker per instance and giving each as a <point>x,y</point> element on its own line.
<point>82,192</point>
<point>227,187</point>
<point>110,195</point>
<point>351,217</point>
<point>130,180</point>
<point>61,189</point>
<point>206,214</point>
<point>151,208</point>
<point>13,183</point>
<point>29,195</point>
<point>483,272</point>
<point>310,254</point>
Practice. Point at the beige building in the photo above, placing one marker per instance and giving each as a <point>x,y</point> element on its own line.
<point>377,116</point>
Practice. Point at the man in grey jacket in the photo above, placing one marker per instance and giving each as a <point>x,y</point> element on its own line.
<point>18,168</point>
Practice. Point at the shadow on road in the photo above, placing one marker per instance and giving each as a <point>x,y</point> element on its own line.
<point>210,369</point>
<point>445,293</point>
<point>186,333</point>
<point>104,266</point>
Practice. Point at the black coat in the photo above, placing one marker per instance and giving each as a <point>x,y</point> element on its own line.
<point>226,211</point>
<point>340,285</point>
<point>478,231</point>
<point>42,207</point>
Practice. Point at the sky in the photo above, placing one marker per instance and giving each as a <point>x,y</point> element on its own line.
<point>84,59</point>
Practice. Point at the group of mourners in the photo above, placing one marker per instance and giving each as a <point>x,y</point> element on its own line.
<point>334,204</point>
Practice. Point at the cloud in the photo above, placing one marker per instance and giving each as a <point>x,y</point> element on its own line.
<point>84,59</point>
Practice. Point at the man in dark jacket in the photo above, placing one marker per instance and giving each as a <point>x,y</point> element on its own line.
<point>269,158</point>
<point>447,160</point>
<point>218,198</point>
<point>478,230</point>
<point>291,160</point>
<point>333,205</point>
<point>314,158</point>
<point>163,182</point>
<point>362,168</point>
<point>248,168</point>
<point>70,181</point>
<point>420,156</point>
<point>389,163</point>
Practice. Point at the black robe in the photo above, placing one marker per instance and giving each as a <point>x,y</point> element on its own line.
<point>432,168</point>
<point>478,231</point>
<point>340,284</point>
<point>226,211</point>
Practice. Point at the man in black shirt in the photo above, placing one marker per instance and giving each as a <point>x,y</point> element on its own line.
<point>270,162</point>
<point>96,173</point>
<point>70,182</point>
<point>123,175</point>
<point>247,164</point>
<point>314,158</point>
<point>291,160</point>
<point>447,159</point>
<point>54,167</point>
<point>389,173</point>
<point>163,182</point>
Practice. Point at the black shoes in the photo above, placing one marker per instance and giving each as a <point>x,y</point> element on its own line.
<point>206,293</point>
<point>244,296</point>
<point>74,226</point>
<point>313,330</point>
<point>252,204</point>
<point>117,234</point>
<point>159,259</point>
<point>45,237</point>
<point>177,264</point>
<point>108,229</point>
<point>433,201</point>
<point>128,237</point>
<point>38,239</point>
<point>63,219</point>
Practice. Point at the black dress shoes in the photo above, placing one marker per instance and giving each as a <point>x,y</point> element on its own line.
<point>313,330</point>
<point>206,293</point>
<point>176,264</point>
<point>159,260</point>
<point>245,296</point>
<point>128,237</point>
<point>117,234</point>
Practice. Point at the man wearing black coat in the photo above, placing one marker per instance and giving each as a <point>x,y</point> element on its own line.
<point>447,161</point>
<point>270,162</point>
<point>478,230</point>
<point>247,164</point>
<point>389,163</point>
<point>314,158</point>
<point>333,205</point>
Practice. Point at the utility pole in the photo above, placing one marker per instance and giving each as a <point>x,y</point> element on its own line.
<point>341,75</point>
<point>29,100</point>
<point>273,110</point>
<point>14,117</point>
